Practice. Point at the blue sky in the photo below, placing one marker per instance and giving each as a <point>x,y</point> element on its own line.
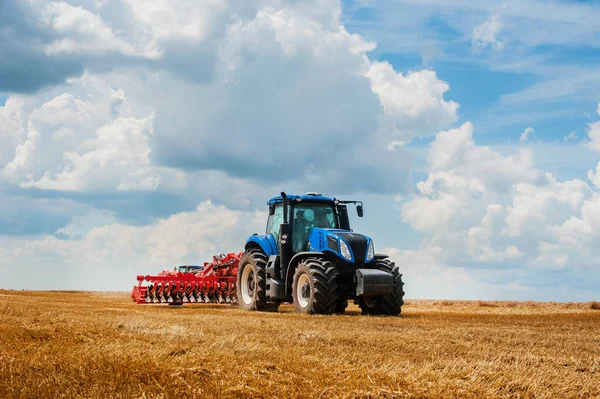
<point>137,135</point>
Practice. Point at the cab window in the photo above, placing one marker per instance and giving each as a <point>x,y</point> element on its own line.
<point>309,215</point>
<point>273,223</point>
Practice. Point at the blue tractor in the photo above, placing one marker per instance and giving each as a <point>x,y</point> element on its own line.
<point>311,257</point>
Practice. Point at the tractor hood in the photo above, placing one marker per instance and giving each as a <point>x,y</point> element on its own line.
<point>347,245</point>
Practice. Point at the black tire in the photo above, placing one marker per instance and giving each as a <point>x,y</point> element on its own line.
<point>390,304</point>
<point>318,291</point>
<point>254,296</point>
<point>340,305</point>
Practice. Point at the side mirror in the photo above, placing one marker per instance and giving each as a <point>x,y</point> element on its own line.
<point>271,209</point>
<point>359,210</point>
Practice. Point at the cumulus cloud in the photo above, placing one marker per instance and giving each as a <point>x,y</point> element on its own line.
<point>487,34</point>
<point>482,209</point>
<point>286,85</point>
<point>75,145</point>
<point>120,151</point>
<point>81,31</point>
<point>47,42</point>
<point>580,231</point>
<point>594,176</point>
<point>526,133</point>
<point>415,102</point>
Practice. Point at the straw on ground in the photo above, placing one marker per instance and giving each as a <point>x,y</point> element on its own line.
<point>101,345</point>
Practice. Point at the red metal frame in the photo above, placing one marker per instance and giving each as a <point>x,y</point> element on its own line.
<point>216,282</point>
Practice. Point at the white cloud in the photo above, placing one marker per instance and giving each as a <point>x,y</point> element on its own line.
<point>487,34</point>
<point>455,152</point>
<point>80,146</point>
<point>449,148</point>
<point>526,133</point>
<point>464,180</point>
<point>594,177</point>
<point>415,102</point>
<point>483,208</point>
<point>169,20</point>
<point>119,157</point>
<point>109,256</point>
<point>535,206</point>
<point>284,76</point>
<point>80,30</point>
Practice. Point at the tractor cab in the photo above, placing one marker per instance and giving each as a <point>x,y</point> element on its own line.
<point>305,213</point>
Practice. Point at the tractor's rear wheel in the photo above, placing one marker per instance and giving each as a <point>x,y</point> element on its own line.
<point>251,282</point>
<point>390,304</point>
<point>314,288</point>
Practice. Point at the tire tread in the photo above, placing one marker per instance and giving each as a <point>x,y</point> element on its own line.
<point>325,285</point>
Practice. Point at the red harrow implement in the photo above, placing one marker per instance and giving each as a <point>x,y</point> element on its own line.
<point>215,282</point>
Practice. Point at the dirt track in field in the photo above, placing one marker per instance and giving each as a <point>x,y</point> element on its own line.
<point>59,344</point>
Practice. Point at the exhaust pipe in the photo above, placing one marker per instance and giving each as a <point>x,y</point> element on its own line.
<point>285,252</point>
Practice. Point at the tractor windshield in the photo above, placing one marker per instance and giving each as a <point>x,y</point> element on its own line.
<point>307,215</point>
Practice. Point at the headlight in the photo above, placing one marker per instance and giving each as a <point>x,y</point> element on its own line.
<point>371,251</point>
<point>345,250</point>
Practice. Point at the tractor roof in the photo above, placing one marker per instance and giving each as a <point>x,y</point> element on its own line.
<point>308,197</point>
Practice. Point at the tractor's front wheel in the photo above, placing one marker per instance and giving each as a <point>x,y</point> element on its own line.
<point>251,282</point>
<point>314,288</point>
<point>390,304</point>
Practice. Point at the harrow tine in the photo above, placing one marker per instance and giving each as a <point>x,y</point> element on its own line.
<point>186,292</point>
<point>172,297</point>
<point>198,295</point>
<point>166,293</point>
<point>149,294</point>
<point>173,292</point>
<point>153,295</point>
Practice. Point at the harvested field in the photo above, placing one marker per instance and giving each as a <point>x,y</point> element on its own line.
<point>58,344</point>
